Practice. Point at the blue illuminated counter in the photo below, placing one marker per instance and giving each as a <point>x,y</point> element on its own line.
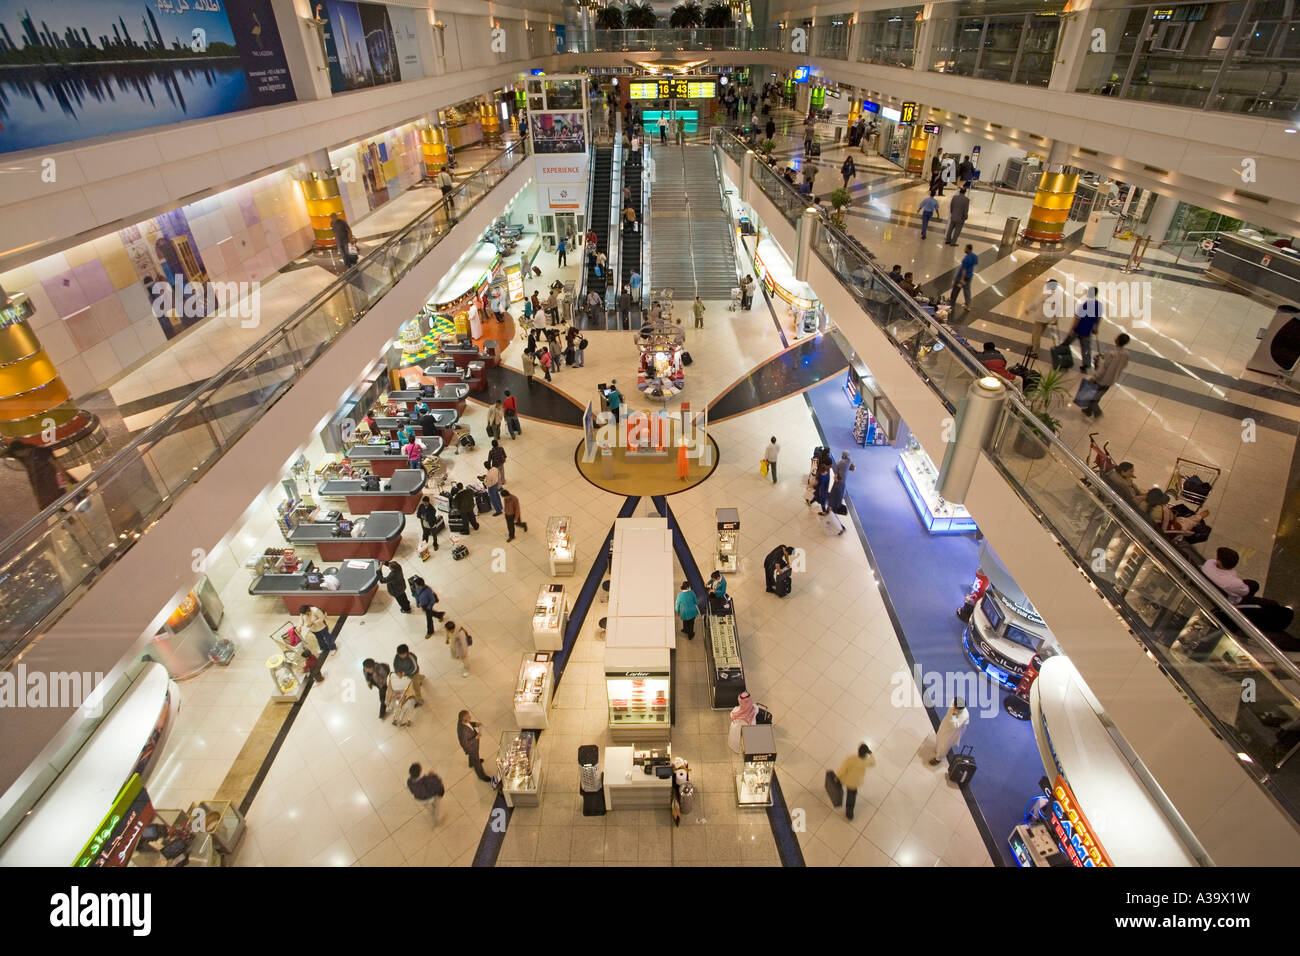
<point>920,478</point>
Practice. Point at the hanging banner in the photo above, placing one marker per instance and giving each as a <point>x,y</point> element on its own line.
<point>558,133</point>
<point>566,197</point>
<point>562,169</point>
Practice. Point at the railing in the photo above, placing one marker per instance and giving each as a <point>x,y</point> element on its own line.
<point>1203,643</point>
<point>614,257</point>
<point>620,41</point>
<point>641,304</point>
<point>580,287</point>
<point>46,564</point>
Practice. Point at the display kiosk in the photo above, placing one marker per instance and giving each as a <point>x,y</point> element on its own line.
<point>921,479</point>
<point>660,373</point>
<point>757,764</point>
<point>550,616</point>
<point>722,651</point>
<point>519,764</point>
<point>560,548</point>
<point>533,691</point>
<point>727,556</point>
<point>637,687</point>
<point>632,784</point>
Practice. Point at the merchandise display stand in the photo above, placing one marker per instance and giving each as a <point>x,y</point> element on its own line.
<point>550,617</point>
<point>533,691</point>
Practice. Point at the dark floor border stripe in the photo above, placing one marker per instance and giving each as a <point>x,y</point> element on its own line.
<point>977,815</point>
<point>682,549</point>
<point>490,843</point>
<point>283,735</point>
<point>778,815</point>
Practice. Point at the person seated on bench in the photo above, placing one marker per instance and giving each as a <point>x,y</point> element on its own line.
<point>993,360</point>
<point>1220,570</point>
<point>1124,480</point>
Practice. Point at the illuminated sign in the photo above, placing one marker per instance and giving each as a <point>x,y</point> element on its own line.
<point>908,113</point>
<point>676,87</point>
<point>890,114</point>
<point>801,74</point>
<point>648,90</point>
<point>1162,14</point>
<point>931,127</point>
<point>701,90</point>
<point>870,106</point>
<point>1072,830</point>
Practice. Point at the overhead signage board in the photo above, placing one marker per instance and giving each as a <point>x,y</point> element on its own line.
<point>908,113</point>
<point>682,88</point>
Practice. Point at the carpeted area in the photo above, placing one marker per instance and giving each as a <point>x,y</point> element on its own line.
<point>926,578</point>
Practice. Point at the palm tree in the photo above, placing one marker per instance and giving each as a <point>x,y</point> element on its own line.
<point>717,15</point>
<point>609,18</point>
<point>640,16</point>
<point>686,15</point>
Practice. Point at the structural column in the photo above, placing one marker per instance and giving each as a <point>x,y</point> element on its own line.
<point>1053,199</point>
<point>976,417</point>
<point>805,234</point>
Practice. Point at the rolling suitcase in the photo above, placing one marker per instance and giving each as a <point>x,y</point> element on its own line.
<point>457,524</point>
<point>483,502</point>
<point>1062,358</point>
<point>962,767</point>
<point>782,584</point>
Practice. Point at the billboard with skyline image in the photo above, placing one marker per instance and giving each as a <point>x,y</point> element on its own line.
<point>75,69</point>
<point>369,44</point>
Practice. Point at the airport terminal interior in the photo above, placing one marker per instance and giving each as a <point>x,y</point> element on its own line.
<point>650,433</point>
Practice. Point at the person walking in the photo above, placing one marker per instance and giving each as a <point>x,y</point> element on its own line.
<point>510,508</point>
<point>492,481</point>
<point>809,177</point>
<point>544,358</point>
<point>769,456</point>
<point>698,310</point>
<point>313,620</point>
<point>425,600</point>
<point>850,775</point>
<point>681,131</point>
<point>468,734</point>
<point>510,406</point>
<point>446,184</point>
<point>929,208</point>
<point>430,521</point>
<point>401,698</point>
<point>1110,366</point>
<point>746,292</point>
<point>343,240</point>
<point>687,606</point>
<point>459,642</point>
<point>406,664</point>
<point>663,129</point>
<point>425,787</point>
<point>951,729</point>
<point>495,415</point>
<point>821,485</point>
<point>965,272</point>
<point>377,677</point>
<point>958,210</point>
<point>595,306</point>
<point>497,458</point>
<point>395,583</point>
<point>770,128</point>
<point>1087,320</point>
<point>848,171</point>
<point>1044,315</point>
<point>561,253</point>
<point>625,307</point>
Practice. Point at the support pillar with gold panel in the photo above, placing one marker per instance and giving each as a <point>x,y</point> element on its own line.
<point>35,405</point>
<point>433,148</point>
<point>321,192</point>
<point>490,122</point>
<point>1053,199</point>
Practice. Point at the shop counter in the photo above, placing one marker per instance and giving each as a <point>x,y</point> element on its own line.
<point>382,460</point>
<point>629,787</point>
<point>444,418</point>
<point>446,397</point>
<point>439,375</point>
<point>400,493</point>
<point>722,653</point>
<point>358,582</point>
<point>375,536</point>
<point>462,355</point>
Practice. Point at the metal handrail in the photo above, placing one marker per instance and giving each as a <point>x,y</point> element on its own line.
<point>29,535</point>
<point>580,287</point>
<point>1119,508</point>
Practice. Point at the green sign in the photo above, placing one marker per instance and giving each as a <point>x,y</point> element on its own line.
<point>819,97</point>
<point>104,832</point>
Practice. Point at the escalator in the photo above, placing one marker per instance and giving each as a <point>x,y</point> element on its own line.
<point>630,257</point>
<point>598,217</point>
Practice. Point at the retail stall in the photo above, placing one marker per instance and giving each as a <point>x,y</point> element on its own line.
<point>638,779</point>
<point>1005,631</point>
<point>533,691</point>
<point>638,677</point>
<point>519,764</point>
<point>1101,806</point>
<point>561,550</point>
<point>722,653</point>
<point>464,283</point>
<point>757,766</point>
<point>921,479</point>
<point>776,272</point>
<point>550,617</point>
<point>660,373</point>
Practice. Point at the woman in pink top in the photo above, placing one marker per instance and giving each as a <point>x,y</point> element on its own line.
<point>413,454</point>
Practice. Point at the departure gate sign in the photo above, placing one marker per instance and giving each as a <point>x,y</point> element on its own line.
<point>680,88</point>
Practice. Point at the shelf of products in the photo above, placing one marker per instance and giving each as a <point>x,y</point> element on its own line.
<point>533,691</point>
<point>921,479</point>
<point>727,555</point>
<point>757,764</point>
<point>520,767</point>
<point>777,275</point>
<point>726,673</point>
<point>637,700</point>
<point>560,546</point>
<point>550,616</point>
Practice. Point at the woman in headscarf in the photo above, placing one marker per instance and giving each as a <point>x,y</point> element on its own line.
<point>745,713</point>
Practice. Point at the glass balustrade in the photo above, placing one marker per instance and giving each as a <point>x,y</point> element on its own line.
<point>46,564</point>
<point>1245,686</point>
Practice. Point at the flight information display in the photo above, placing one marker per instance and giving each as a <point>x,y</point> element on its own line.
<point>680,88</point>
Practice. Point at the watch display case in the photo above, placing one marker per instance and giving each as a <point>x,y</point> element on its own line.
<point>560,546</point>
<point>921,480</point>
<point>727,558</point>
<point>519,764</point>
<point>757,764</point>
<point>638,700</point>
<point>550,615</point>
<point>726,673</point>
<point>533,691</point>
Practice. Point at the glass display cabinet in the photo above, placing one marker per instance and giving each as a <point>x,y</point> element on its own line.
<point>560,546</point>
<point>757,764</point>
<point>519,764</point>
<point>533,691</point>
<point>638,702</point>
<point>921,479</point>
<point>722,649</point>
<point>550,616</point>
<point>727,559</point>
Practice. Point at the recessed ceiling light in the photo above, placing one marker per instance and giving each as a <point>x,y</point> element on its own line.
<point>1288,131</point>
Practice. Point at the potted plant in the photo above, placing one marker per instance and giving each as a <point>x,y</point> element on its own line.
<point>767,146</point>
<point>686,15</point>
<point>717,16</point>
<point>840,200</point>
<point>609,18</point>
<point>640,16</point>
<point>1045,395</point>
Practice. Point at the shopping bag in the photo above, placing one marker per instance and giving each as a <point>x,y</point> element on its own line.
<point>1087,394</point>
<point>762,467</point>
<point>834,789</point>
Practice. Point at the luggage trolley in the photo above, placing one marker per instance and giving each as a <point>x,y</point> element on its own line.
<point>286,637</point>
<point>1191,483</point>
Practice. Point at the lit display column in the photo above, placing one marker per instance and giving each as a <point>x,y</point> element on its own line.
<point>1053,199</point>
<point>321,192</point>
<point>433,147</point>
<point>35,406</point>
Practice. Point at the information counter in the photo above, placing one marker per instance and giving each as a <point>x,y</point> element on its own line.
<point>374,536</point>
<point>358,582</point>
<point>401,492</point>
<point>629,787</point>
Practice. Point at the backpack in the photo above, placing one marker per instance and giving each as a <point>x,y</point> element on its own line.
<point>582,343</point>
